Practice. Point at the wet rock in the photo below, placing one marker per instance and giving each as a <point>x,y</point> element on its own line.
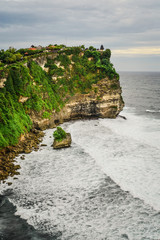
<point>123,117</point>
<point>27,150</point>
<point>125,236</point>
<point>26,144</point>
<point>43,145</point>
<point>36,149</point>
<point>66,142</point>
<point>9,183</point>
<point>34,130</point>
<point>22,157</point>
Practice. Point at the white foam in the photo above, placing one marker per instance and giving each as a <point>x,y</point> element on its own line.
<point>127,151</point>
<point>152,111</point>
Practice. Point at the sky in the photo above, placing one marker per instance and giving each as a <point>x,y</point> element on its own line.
<point>130,28</point>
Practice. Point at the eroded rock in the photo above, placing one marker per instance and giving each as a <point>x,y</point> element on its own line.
<point>100,102</point>
<point>66,142</point>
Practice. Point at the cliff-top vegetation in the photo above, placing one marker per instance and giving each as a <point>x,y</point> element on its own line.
<point>25,86</point>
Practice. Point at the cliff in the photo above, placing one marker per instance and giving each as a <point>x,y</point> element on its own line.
<point>46,89</point>
<point>106,102</point>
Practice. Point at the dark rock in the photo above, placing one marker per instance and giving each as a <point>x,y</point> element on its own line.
<point>125,236</point>
<point>9,183</point>
<point>22,157</point>
<point>123,117</point>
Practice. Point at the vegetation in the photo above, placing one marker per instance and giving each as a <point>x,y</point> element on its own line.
<point>13,119</point>
<point>10,56</point>
<point>59,134</point>
<point>114,86</point>
<point>71,70</point>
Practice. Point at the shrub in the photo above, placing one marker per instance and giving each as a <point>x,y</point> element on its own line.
<point>106,54</point>
<point>46,115</point>
<point>59,134</point>
<point>64,59</point>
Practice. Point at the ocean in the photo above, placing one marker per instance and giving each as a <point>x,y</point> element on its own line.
<point>105,187</point>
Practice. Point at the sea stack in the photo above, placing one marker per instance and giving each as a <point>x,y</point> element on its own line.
<point>66,142</point>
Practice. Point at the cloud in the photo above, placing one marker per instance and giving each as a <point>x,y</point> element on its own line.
<point>123,25</point>
<point>9,18</point>
<point>138,51</point>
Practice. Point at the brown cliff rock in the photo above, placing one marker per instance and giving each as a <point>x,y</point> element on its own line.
<point>104,101</point>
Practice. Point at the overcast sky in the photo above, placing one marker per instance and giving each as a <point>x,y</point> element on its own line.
<point>130,28</point>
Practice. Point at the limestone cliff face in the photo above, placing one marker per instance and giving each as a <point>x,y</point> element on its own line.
<point>104,101</point>
<point>42,60</point>
<point>2,82</point>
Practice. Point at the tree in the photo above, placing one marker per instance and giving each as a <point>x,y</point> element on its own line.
<point>82,47</point>
<point>91,48</point>
<point>12,50</point>
<point>18,56</point>
<point>106,54</point>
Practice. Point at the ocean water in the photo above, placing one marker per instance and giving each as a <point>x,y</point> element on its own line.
<point>106,186</point>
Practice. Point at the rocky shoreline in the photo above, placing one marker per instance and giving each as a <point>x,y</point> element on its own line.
<point>105,102</point>
<point>27,143</point>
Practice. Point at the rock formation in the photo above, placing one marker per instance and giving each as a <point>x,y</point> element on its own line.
<point>102,101</point>
<point>66,142</point>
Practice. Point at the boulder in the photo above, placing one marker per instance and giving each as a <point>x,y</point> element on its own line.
<point>66,142</point>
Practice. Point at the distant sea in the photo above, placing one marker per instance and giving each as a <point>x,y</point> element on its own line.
<point>105,187</point>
